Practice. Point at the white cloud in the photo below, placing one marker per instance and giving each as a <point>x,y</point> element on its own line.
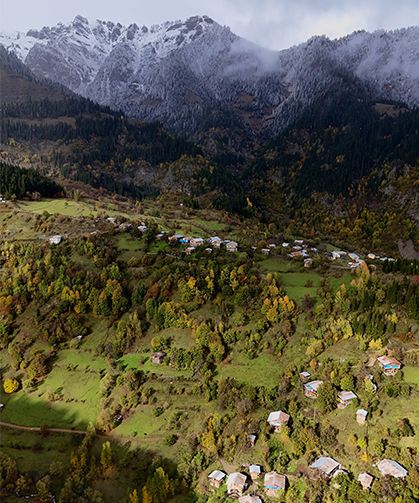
<point>272,23</point>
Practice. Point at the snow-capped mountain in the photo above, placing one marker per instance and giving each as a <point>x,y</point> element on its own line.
<point>194,74</point>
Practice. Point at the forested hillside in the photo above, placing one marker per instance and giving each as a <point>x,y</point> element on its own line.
<point>20,183</point>
<point>81,333</point>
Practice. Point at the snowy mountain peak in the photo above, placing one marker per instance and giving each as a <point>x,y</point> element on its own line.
<point>187,73</point>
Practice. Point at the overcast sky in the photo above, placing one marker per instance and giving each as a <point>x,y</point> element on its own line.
<point>276,24</point>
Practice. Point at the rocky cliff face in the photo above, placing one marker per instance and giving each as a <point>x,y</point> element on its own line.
<point>195,74</point>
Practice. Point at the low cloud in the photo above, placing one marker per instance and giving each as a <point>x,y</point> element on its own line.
<point>276,24</point>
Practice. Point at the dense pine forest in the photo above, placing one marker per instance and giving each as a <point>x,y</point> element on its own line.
<point>20,183</point>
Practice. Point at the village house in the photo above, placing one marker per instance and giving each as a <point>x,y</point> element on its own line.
<point>389,365</point>
<point>285,245</point>
<point>236,484</point>
<point>175,238</point>
<point>208,250</point>
<point>353,256</point>
<point>125,226</point>
<point>55,240</point>
<point>365,479</point>
<point>326,466</point>
<point>274,483</point>
<point>142,228</point>
<point>216,478</point>
<point>250,499</point>
<point>304,376</point>
<point>196,241</point>
<point>372,256</point>
<point>185,240</point>
<point>278,418</point>
<point>157,357</point>
<point>265,251</point>
<point>311,388</point>
<point>391,468</point>
<point>251,440</point>
<point>299,241</point>
<point>231,246</point>
<point>112,220</point>
<point>296,254</point>
<point>361,416</point>
<point>160,236</point>
<point>215,241</point>
<point>189,250</point>
<point>338,254</point>
<point>255,471</point>
<point>344,398</point>
<point>308,262</point>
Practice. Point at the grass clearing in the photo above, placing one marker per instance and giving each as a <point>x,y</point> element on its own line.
<point>411,375</point>
<point>261,371</point>
<point>133,361</point>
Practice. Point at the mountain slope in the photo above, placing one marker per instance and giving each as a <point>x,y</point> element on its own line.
<point>196,74</point>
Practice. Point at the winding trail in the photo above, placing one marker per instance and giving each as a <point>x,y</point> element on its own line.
<point>46,429</point>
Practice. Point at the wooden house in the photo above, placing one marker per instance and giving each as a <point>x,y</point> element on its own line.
<point>361,416</point>
<point>392,469</point>
<point>236,484</point>
<point>216,478</point>
<point>311,388</point>
<point>278,418</point>
<point>304,376</point>
<point>389,365</point>
<point>255,471</point>
<point>231,246</point>
<point>157,357</point>
<point>326,466</point>
<point>365,479</point>
<point>249,499</point>
<point>274,483</point>
<point>345,398</point>
<point>55,240</point>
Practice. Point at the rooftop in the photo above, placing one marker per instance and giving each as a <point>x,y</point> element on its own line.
<point>388,361</point>
<point>365,479</point>
<point>313,385</point>
<point>325,464</point>
<point>236,479</point>
<point>390,467</point>
<point>277,418</point>
<point>274,480</point>
<point>217,475</point>
<point>362,412</point>
<point>345,396</point>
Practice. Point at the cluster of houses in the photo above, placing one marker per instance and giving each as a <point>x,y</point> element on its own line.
<point>192,243</point>
<point>324,466</point>
<point>297,248</point>
<point>237,483</point>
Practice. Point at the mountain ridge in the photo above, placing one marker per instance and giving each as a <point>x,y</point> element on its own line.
<point>187,74</point>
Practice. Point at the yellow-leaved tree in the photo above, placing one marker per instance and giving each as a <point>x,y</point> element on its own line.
<point>10,385</point>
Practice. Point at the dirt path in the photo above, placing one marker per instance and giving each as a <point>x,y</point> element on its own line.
<point>40,429</point>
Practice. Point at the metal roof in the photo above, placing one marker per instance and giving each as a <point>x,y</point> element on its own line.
<point>313,385</point>
<point>274,480</point>
<point>325,464</point>
<point>391,467</point>
<point>277,418</point>
<point>346,395</point>
<point>217,475</point>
